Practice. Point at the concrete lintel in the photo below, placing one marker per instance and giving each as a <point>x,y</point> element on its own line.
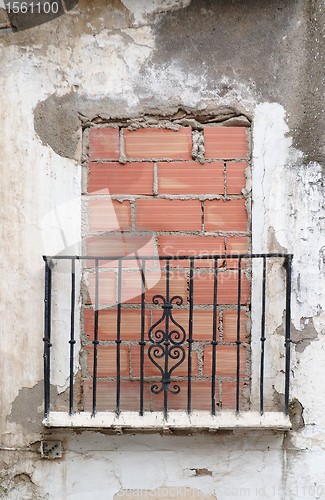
<point>200,420</point>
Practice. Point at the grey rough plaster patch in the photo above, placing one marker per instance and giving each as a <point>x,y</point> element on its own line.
<point>28,407</point>
<point>295,413</point>
<point>261,44</point>
<point>24,410</point>
<point>57,124</point>
<point>300,338</point>
<point>309,135</point>
<point>303,338</point>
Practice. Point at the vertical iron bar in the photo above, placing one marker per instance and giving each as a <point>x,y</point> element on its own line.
<point>118,338</point>
<point>142,341</point>
<point>72,339</point>
<point>238,335</point>
<point>166,339</point>
<point>214,338</point>
<point>95,341</point>
<point>263,337</point>
<point>190,338</point>
<point>288,266</point>
<point>47,337</point>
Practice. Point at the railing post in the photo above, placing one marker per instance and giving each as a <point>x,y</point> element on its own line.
<point>190,339</point>
<point>95,341</point>
<point>263,338</point>
<point>288,268</point>
<point>238,341</point>
<point>72,340</point>
<point>142,342</point>
<point>47,336</point>
<point>214,342</point>
<point>118,338</point>
<point>166,341</point>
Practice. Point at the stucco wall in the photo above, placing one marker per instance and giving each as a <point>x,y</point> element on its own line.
<point>125,59</point>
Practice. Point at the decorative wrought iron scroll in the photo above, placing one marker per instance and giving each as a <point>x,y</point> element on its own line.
<point>167,337</point>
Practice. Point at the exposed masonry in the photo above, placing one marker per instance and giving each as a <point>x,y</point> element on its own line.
<point>197,154</point>
<point>133,198</point>
<point>225,116</point>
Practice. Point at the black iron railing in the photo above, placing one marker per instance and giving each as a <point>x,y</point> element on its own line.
<point>167,344</point>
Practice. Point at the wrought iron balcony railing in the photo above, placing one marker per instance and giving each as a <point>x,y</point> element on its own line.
<point>165,336</point>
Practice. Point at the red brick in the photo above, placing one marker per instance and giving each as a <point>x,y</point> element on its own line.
<point>118,178</point>
<point>119,245</point>
<point>226,361</point>
<point>132,245</point>
<point>109,215</point>
<point>104,144</point>
<point>155,284</point>
<point>150,370</point>
<point>230,215</point>
<point>235,177</point>
<point>191,246</point>
<point>227,288</point>
<point>225,143</point>
<point>230,326</point>
<point>107,324</point>
<point>200,397</point>
<point>130,396</point>
<point>106,395</point>
<point>236,245</point>
<point>106,360</point>
<point>190,178</point>
<point>202,322</point>
<point>158,143</point>
<point>229,395</point>
<point>168,215</point>
<point>106,288</point>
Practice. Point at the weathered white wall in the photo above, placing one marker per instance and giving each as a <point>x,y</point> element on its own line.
<point>112,59</point>
<point>34,181</point>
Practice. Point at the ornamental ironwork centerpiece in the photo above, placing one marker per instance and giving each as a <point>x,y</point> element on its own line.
<point>167,337</point>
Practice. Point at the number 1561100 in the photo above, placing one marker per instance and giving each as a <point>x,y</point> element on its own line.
<point>33,7</point>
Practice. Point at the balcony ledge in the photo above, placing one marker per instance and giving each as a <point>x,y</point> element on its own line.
<point>177,420</point>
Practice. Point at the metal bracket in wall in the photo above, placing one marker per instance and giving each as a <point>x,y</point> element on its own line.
<point>51,449</point>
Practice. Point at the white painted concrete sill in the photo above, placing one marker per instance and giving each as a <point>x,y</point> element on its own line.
<point>177,420</point>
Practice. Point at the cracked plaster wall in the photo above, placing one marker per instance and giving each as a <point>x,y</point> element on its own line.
<point>120,60</point>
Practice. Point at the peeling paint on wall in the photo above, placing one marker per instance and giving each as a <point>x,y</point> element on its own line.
<point>288,197</point>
